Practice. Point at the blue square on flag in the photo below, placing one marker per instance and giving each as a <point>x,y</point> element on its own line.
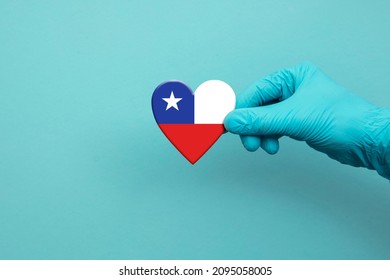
<point>173,103</point>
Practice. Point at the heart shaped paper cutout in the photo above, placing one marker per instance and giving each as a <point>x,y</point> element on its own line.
<point>192,122</point>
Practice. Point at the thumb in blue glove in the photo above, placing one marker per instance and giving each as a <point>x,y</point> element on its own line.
<point>306,105</point>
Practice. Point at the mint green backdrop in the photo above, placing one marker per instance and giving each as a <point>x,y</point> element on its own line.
<point>86,174</point>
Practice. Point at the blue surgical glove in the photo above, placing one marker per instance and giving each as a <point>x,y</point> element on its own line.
<point>306,105</point>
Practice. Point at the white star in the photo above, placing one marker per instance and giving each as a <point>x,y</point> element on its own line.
<point>172,101</point>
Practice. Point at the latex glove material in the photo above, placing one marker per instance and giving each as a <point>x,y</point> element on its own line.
<point>309,106</point>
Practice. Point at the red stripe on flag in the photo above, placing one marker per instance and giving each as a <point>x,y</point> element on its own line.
<point>192,140</point>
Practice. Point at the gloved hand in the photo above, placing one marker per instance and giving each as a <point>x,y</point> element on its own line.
<point>308,106</point>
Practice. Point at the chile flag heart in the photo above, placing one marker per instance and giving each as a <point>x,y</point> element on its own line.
<point>193,122</point>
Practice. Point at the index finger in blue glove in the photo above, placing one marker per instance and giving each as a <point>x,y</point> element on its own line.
<point>274,87</point>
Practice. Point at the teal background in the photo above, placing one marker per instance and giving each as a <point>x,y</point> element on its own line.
<point>86,174</point>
